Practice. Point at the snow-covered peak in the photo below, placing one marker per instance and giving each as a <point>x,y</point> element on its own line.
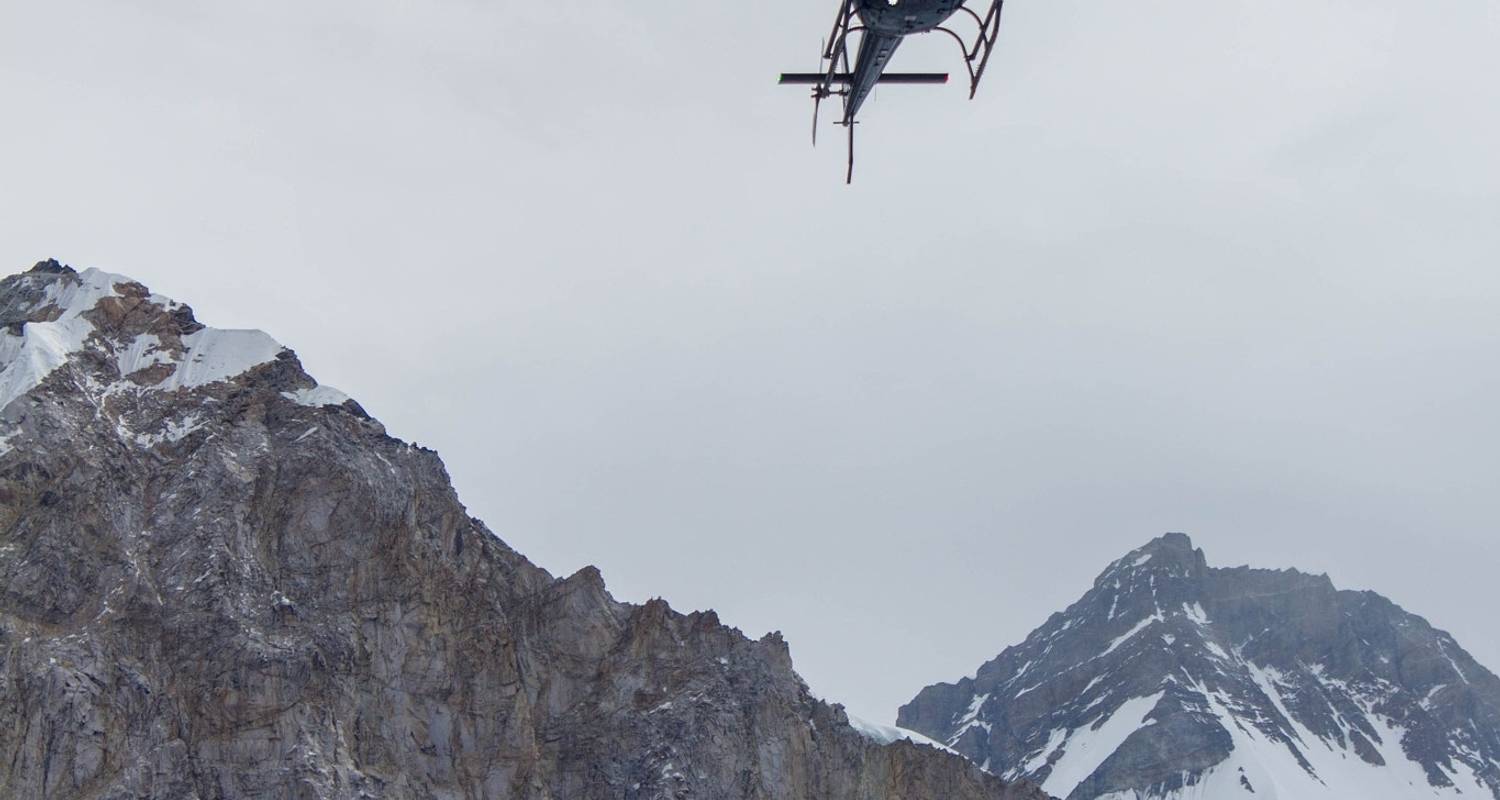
<point>1170,680</point>
<point>121,340</point>
<point>53,313</point>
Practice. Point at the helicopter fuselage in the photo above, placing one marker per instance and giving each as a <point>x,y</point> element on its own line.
<point>903,17</point>
<point>886,23</point>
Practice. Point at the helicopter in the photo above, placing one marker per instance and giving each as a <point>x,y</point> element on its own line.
<point>882,25</point>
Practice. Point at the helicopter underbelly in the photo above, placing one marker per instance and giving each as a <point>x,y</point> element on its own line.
<point>902,17</point>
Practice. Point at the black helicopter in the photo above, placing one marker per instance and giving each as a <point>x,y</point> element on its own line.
<point>882,26</point>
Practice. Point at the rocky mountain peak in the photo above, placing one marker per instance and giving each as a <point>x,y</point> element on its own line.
<point>219,579</point>
<point>49,265</point>
<point>1171,679</point>
<point>1173,545</point>
<point>1165,558</point>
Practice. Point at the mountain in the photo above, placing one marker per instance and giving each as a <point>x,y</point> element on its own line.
<point>1172,679</point>
<point>219,579</point>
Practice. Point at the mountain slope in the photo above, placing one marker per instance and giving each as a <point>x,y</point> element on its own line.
<point>1170,679</point>
<point>221,580</point>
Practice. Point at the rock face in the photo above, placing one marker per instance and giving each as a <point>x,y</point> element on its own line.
<point>221,580</point>
<point>1170,679</point>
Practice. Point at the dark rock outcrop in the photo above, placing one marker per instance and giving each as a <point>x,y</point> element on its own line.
<point>220,580</point>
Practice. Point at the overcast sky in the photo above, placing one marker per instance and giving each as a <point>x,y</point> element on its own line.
<point>1224,267</point>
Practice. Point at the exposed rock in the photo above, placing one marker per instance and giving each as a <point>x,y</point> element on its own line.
<point>221,580</point>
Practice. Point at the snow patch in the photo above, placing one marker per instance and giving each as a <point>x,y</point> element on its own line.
<point>1443,648</point>
<point>1095,682</point>
<point>975,703</point>
<point>887,734</point>
<point>970,718</point>
<point>1269,680</point>
<point>317,396</point>
<point>174,431</point>
<point>1087,748</point>
<point>43,347</point>
<point>214,355</point>
<point>1126,636</point>
<point>144,351</point>
<point>1054,741</point>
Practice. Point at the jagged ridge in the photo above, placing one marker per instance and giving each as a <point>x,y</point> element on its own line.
<point>220,580</point>
<point>1171,679</point>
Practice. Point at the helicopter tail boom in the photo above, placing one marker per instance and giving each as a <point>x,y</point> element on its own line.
<point>816,78</point>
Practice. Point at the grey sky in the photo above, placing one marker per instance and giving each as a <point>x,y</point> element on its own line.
<point>1227,268</point>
